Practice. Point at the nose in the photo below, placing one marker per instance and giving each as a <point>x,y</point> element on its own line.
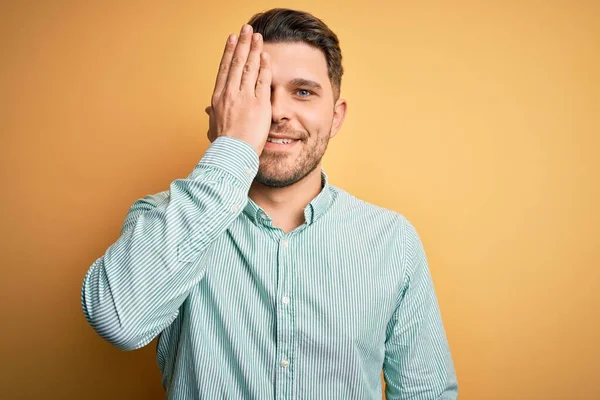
<point>280,108</point>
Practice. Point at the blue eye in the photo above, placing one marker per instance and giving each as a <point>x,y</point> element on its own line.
<point>307,92</point>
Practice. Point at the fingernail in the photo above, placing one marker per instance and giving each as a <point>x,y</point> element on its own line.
<point>232,38</point>
<point>246,28</point>
<point>255,37</point>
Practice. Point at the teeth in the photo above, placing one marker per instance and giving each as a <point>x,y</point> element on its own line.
<point>280,141</point>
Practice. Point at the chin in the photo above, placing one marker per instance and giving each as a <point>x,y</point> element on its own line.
<point>279,176</point>
<point>276,180</point>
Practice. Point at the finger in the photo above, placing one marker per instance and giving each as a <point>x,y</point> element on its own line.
<point>239,59</point>
<point>225,64</point>
<point>252,66</point>
<point>263,83</point>
<point>210,135</point>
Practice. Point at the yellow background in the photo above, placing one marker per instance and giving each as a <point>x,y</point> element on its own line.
<point>477,120</point>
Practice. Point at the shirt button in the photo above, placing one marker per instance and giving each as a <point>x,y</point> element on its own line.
<point>235,208</point>
<point>263,215</point>
<point>285,243</point>
<point>285,363</point>
<point>285,300</point>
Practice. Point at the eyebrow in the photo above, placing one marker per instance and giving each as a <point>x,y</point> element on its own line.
<point>305,82</point>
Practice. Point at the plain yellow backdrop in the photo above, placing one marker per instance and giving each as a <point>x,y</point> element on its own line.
<point>478,120</point>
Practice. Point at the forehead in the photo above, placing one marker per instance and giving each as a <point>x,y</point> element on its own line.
<point>297,60</point>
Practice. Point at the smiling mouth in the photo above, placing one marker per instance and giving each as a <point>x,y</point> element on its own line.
<point>281,141</point>
<point>278,145</point>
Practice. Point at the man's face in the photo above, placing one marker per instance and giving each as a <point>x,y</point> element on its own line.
<point>303,108</point>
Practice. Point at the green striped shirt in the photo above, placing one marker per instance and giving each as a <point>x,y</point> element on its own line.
<point>243,310</point>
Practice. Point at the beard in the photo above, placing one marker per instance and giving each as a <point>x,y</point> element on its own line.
<point>280,170</point>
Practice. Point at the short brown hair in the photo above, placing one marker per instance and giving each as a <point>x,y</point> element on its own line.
<point>285,25</point>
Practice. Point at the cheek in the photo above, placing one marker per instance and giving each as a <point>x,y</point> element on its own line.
<point>315,119</point>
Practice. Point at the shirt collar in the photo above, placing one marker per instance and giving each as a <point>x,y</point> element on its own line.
<point>312,212</point>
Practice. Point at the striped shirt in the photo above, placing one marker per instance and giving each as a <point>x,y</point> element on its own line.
<point>243,310</point>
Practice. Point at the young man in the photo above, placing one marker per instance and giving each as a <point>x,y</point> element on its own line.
<point>259,278</point>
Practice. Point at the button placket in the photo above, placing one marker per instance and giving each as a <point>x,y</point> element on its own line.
<point>285,320</point>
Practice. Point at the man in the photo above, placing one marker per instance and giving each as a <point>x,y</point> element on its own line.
<point>259,278</point>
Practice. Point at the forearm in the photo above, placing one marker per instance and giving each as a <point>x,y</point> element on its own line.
<point>135,289</point>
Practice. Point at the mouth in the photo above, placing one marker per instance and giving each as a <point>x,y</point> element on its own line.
<point>280,144</point>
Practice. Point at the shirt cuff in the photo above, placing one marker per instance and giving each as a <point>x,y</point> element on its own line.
<point>231,155</point>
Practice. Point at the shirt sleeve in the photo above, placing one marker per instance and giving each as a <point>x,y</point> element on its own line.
<point>418,363</point>
<point>134,290</point>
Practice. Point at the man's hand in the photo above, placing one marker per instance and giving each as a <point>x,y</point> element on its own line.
<point>241,101</point>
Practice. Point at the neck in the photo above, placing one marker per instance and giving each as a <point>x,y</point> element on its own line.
<point>286,205</point>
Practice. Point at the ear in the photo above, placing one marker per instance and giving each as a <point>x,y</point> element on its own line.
<point>339,114</point>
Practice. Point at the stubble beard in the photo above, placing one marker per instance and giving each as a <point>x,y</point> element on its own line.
<point>280,170</point>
